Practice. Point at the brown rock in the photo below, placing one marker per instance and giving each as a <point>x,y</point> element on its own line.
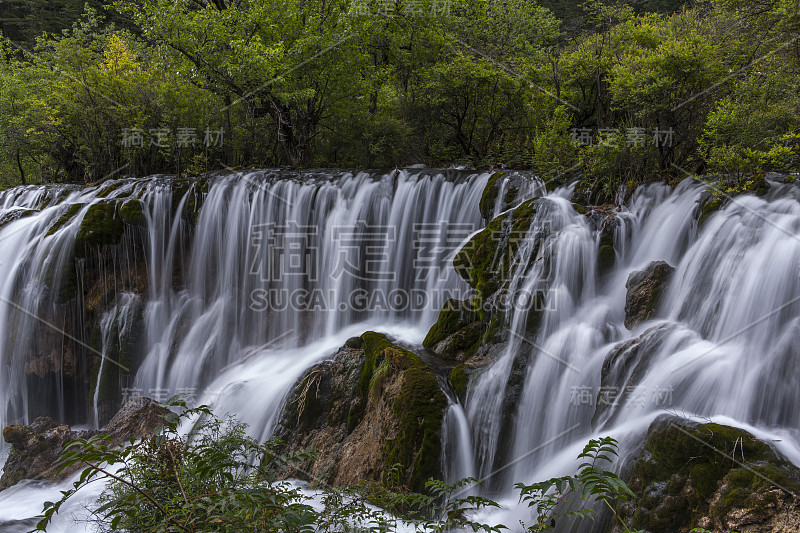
<point>35,448</point>
<point>373,405</point>
<point>645,288</point>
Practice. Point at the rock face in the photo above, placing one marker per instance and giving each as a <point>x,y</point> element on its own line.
<point>35,448</point>
<point>373,405</point>
<point>711,476</point>
<point>645,288</point>
<point>510,184</point>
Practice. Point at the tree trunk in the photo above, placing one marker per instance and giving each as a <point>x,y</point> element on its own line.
<point>21,170</point>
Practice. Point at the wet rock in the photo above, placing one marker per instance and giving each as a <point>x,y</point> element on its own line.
<point>35,448</point>
<point>457,333</point>
<point>366,409</point>
<point>511,184</point>
<point>645,288</point>
<point>12,215</point>
<point>712,476</point>
<point>624,367</point>
<point>138,418</point>
<point>603,219</point>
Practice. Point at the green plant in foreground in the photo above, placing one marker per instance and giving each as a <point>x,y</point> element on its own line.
<point>591,482</point>
<point>215,478</point>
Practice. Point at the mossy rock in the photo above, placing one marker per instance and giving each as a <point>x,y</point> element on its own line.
<point>340,406</point>
<point>418,407</point>
<point>15,434</point>
<point>132,213</point>
<point>102,225</point>
<point>68,215</point>
<point>457,334</point>
<point>489,195</point>
<point>459,379</point>
<point>690,474</point>
<point>451,319</point>
<point>485,262</point>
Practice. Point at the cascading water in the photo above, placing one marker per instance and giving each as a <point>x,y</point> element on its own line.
<point>721,348</point>
<point>115,327</point>
<point>224,316</point>
<point>216,293</point>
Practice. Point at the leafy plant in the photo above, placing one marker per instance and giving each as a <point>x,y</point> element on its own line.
<point>216,478</point>
<point>592,482</point>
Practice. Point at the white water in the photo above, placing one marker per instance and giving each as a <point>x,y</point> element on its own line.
<point>724,350</point>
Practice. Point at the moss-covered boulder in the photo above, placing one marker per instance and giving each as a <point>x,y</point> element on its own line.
<point>712,476</point>
<point>486,262</point>
<point>102,225</point>
<point>131,212</point>
<point>489,196</point>
<point>645,289</point>
<point>457,334</point>
<point>371,406</point>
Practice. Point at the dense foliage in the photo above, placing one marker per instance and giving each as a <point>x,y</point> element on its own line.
<point>214,477</point>
<point>623,91</point>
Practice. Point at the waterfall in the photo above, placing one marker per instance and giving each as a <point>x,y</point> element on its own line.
<point>721,347</point>
<point>115,327</point>
<point>231,286</point>
<point>264,264</point>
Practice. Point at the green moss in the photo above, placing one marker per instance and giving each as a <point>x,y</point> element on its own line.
<point>489,195</point>
<point>373,344</point>
<point>485,261</point>
<point>105,191</point>
<point>68,215</point>
<point>699,457</point>
<point>522,216</point>
<point>419,408</point>
<point>14,433</point>
<point>451,319</point>
<point>475,261</point>
<point>459,380</point>
<point>101,226</point>
<point>132,213</point>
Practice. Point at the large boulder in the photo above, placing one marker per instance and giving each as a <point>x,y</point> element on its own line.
<point>645,288</point>
<point>504,190</point>
<point>372,406</point>
<point>35,448</point>
<point>710,476</point>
